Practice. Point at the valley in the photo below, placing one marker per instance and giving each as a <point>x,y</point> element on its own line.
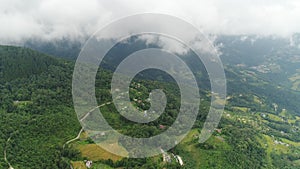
<point>40,129</point>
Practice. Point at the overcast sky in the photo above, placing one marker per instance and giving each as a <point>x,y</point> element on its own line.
<point>50,19</point>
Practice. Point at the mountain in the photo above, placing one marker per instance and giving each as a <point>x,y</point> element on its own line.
<point>17,62</point>
<point>259,128</point>
<point>274,58</point>
<point>65,48</point>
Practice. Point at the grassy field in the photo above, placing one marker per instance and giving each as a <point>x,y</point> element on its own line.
<point>274,117</point>
<point>202,156</point>
<point>95,152</point>
<point>100,166</point>
<point>272,147</point>
<point>78,164</point>
<point>242,109</point>
<point>295,82</point>
<point>296,144</point>
<point>81,165</point>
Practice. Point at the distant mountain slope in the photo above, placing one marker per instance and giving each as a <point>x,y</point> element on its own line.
<point>17,62</point>
<point>64,48</point>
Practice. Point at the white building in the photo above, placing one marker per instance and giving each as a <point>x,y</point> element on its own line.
<point>88,164</point>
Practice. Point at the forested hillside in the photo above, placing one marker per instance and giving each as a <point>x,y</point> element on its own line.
<point>36,110</point>
<point>17,62</point>
<point>259,128</point>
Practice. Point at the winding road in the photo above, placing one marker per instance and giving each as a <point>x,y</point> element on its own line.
<point>5,158</point>
<point>69,141</point>
<point>85,116</point>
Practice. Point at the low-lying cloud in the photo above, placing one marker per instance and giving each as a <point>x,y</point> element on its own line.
<point>74,19</point>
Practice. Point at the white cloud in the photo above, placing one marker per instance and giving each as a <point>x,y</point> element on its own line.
<point>52,19</point>
<point>167,43</point>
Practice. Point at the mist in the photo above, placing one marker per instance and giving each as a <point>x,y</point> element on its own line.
<point>75,20</point>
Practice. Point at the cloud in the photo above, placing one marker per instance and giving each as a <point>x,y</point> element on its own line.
<point>54,19</point>
<point>50,19</point>
<point>166,43</point>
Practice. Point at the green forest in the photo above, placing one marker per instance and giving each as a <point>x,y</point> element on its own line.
<point>259,128</point>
